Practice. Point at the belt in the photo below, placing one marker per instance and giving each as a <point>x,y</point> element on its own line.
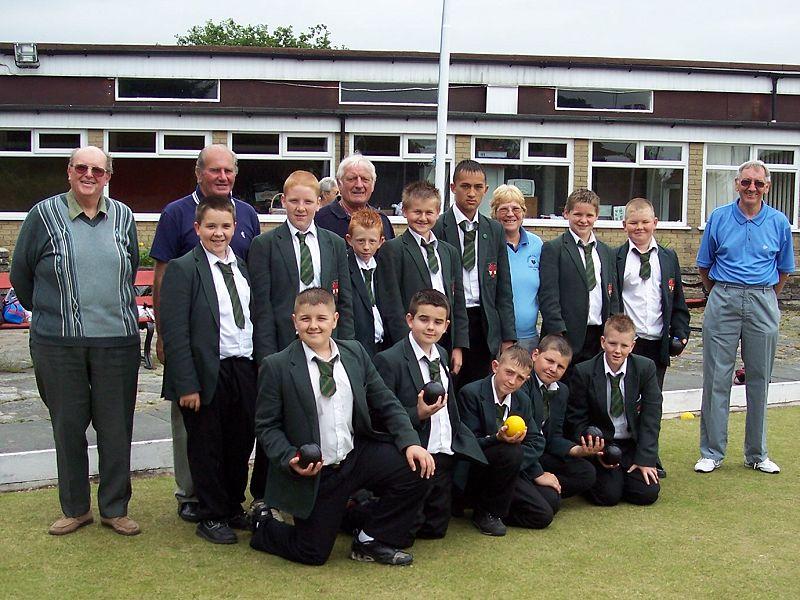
<point>741,286</point>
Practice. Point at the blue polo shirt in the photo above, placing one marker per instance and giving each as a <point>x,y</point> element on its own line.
<point>524,265</point>
<point>745,251</point>
<point>175,235</point>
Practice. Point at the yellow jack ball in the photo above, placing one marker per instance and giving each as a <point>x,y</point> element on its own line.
<point>687,416</point>
<point>515,425</point>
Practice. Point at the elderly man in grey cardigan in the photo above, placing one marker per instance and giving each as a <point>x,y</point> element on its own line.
<point>74,266</point>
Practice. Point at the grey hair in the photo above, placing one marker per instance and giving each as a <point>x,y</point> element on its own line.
<point>109,161</point>
<point>201,158</point>
<point>326,184</point>
<point>754,164</point>
<point>353,160</point>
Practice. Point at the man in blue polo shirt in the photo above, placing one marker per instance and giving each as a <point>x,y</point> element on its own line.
<point>175,236</point>
<point>744,260</point>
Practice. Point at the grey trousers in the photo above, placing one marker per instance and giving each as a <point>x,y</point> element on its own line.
<point>82,385</point>
<point>734,313</point>
<point>184,486</point>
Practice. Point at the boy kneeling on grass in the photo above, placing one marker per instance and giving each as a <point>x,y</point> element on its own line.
<point>317,391</point>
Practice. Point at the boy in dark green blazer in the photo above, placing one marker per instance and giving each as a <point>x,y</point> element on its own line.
<point>578,288</point>
<point>317,391</point>
<point>417,260</point>
<point>618,392</point>
<point>209,368</point>
<point>293,257</point>
<point>406,367</point>
<point>485,271</point>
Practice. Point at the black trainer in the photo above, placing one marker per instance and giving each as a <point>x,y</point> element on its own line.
<point>188,512</point>
<point>216,532</point>
<point>240,521</point>
<point>375,551</point>
<point>488,524</point>
<point>261,514</point>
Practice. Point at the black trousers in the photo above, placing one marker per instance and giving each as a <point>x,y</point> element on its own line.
<point>532,506</point>
<point>591,347</point>
<point>434,514</point>
<point>220,439</point>
<point>652,350</point>
<point>576,475</point>
<point>491,487</point>
<point>477,362</point>
<point>614,485</point>
<point>377,466</point>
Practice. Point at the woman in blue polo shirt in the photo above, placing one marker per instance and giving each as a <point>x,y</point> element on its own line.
<point>524,250</point>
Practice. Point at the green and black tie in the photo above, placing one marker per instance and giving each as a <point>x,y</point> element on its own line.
<point>434,368</point>
<point>327,385</point>
<point>430,251</point>
<point>368,282</point>
<point>501,414</point>
<point>644,268</point>
<point>547,397</point>
<point>468,256</point>
<point>306,264</point>
<point>236,302</point>
<point>591,280</point>
<point>617,405</point>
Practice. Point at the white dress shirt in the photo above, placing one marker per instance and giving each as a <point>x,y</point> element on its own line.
<point>437,282</point>
<point>641,298</point>
<point>595,295</point>
<point>334,414</point>
<point>312,241</point>
<point>621,422</point>
<point>441,437</point>
<point>376,316</point>
<point>506,401</point>
<point>472,290</point>
<point>232,340</point>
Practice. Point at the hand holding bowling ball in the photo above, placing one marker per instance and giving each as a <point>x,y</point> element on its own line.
<point>431,392</point>
<point>308,454</point>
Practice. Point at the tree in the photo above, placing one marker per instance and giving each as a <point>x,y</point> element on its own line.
<point>231,33</point>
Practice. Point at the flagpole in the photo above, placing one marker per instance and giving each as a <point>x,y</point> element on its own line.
<point>441,112</point>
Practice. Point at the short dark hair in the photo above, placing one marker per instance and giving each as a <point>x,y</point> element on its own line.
<point>468,166</point>
<point>429,297</point>
<point>214,202</point>
<point>555,342</point>
<point>518,355</point>
<point>619,323</point>
<point>314,297</point>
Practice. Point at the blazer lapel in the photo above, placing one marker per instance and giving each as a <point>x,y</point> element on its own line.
<point>487,400</point>
<point>600,389</point>
<point>482,239</point>
<point>666,295</point>
<point>360,406</point>
<point>413,364</point>
<point>302,383</point>
<point>207,281</point>
<point>572,250</point>
<point>326,258</point>
<point>622,259</point>
<point>286,248</point>
<point>359,285</point>
<point>631,394</point>
<point>413,249</point>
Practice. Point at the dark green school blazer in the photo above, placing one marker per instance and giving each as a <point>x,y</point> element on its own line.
<point>494,275</point>
<point>588,404</point>
<point>403,272</point>
<point>399,368</point>
<point>276,283</point>
<point>674,312</point>
<point>563,293</point>
<point>286,418</point>
<point>189,315</point>
<point>553,428</point>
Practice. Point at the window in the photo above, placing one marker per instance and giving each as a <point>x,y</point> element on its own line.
<point>15,140</point>
<point>622,170</point>
<point>183,141</point>
<point>135,142</point>
<point>614,100</point>
<point>541,169</point>
<point>256,143</point>
<point>306,144</point>
<point>721,167</point>
<point>191,90</point>
<point>399,160</point>
<point>388,93</point>
<point>58,141</point>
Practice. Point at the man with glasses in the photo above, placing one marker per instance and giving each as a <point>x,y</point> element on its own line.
<point>356,176</point>
<point>175,236</point>
<point>745,257</point>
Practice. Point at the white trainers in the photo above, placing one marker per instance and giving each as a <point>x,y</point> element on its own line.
<point>706,465</point>
<point>765,466</point>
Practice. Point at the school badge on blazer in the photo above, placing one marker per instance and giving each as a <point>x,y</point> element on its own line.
<point>335,289</point>
<point>610,290</point>
<point>671,285</point>
<point>492,269</point>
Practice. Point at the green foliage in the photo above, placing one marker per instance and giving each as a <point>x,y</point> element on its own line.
<point>231,33</point>
<point>145,260</point>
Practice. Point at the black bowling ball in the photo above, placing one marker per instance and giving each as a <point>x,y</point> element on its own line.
<point>593,431</point>
<point>308,453</point>
<point>676,346</point>
<point>431,392</point>
<point>612,454</point>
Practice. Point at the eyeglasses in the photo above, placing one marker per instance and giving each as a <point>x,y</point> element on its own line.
<point>745,183</point>
<point>97,172</point>
<point>504,210</point>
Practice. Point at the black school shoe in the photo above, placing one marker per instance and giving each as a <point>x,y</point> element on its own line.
<point>240,521</point>
<point>216,532</point>
<point>188,512</point>
<point>488,524</point>
<point>374,551</point>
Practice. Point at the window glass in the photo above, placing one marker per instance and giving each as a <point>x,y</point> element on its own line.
<point>550,187</point>
<point>259,180</point>
<point>727,154</point>
<point>617,185</point>
<point>168,89</point>
<point>781,193</point>
<point>255,143</point>
<point>604,99</point>
<point>497,148</point>
<point>388,93</point>
<point>131,185</point>
<point>614,152</point>
<point>422,145</point>
<point>377,145</point>
<point>306,144</point>
<point>131,141</point>
<point>673,153</point>
<point>29,179</point>
<point>719,188</point>
<point>547,150</point>
<point>173,141</point>
<point>15,141</point>
<point>59,141</point>
<point>776,157</point>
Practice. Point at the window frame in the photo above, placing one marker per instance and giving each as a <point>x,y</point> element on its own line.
<point>616,110</point>
<point>398,84</point>
<point>180,153</point>
<point>118,98</point>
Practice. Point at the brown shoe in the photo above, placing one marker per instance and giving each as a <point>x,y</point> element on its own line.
<point>67,525</point>
<point>122,525</point>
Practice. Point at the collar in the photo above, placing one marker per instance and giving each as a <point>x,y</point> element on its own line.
<point>505,401</point>
<point>419,239</point>
<point>550,388</point>
<point>653,246</point>
<point>75,209</point>
<point>365,265</point>
<point>460,216</point>
<point>577,239</point>
<point>609,371</point>
<point>198,195</point>
<point>420,353</point>
<point>742,218</point>
<point>230,257</point>
<point>311,355</point>
<point>312,229</point>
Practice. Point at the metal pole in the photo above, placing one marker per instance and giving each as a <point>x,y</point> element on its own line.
<point>441,112</point>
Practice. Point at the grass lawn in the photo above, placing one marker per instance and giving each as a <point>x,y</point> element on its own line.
<point>730,533</point>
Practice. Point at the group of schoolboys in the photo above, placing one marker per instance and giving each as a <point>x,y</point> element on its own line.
<point>345,344</point>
